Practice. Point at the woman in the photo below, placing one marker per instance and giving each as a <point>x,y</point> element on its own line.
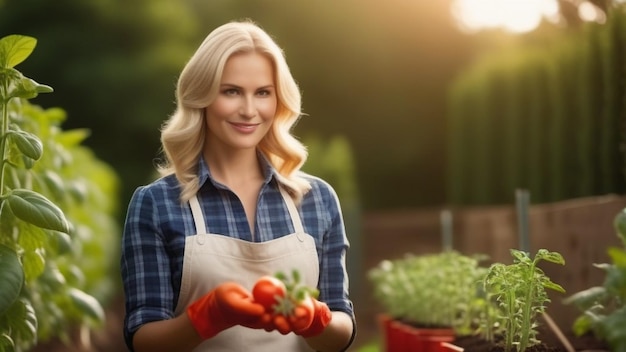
<point>232,206</point>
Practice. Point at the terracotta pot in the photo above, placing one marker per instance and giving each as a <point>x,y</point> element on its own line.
<point>429,340</point>
<point>402,337</point>
<point>395,335</point>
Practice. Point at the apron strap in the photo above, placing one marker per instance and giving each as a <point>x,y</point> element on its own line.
<point>196,213</point>
<point>291,206</point>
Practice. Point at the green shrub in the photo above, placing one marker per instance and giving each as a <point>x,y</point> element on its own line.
<point>58,204</point>
<point>432,290</point>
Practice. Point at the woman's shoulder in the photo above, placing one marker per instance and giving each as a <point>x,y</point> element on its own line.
<point>319,186</point>
<point>162,185</point>
<point>315,181</point>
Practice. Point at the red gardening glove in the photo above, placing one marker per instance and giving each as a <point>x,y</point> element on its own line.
<point>309,321</point>
<point>227,305</point>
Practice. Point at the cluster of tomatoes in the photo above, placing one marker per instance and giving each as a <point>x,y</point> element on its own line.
<point>288,301</point>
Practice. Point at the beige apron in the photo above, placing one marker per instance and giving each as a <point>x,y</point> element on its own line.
<point>212,259</point>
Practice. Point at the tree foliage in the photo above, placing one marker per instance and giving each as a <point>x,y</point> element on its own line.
<point>113,66</point>
<point>374,74</point>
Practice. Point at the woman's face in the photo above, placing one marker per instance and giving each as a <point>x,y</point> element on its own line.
<point>245,106</point>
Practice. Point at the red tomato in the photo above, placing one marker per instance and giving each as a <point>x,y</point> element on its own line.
<point>303,314</point>
<point>282,324</point>
<point>267,291</point>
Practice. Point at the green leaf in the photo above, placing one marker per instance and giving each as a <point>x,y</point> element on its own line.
<point>62,242</point>
<point>619,223</point>
<point>87,304</point>
<point>36,209</point>
<point>73,137</point>
<point>582,325</point>
<point>54,183</point>
<point>6,343</point>
<point>24,321</point>
<point>587,298</point>
<point>8,74</point>
<point>520,256</point>
<point>53,277</point>
<point>615,282</point>
<point>15,48</point>
<point>11,278</point>
<point>28,162</point>
<point>553,286</point>
<point>618,256</point>
<point>34,265</point>
<point>553,257</point>
<point>29,144</point>
<point>27,88</point>
<point>614,329</point>
<point>603,266</point>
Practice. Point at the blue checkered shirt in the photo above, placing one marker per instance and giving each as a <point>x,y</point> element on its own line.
<point>157,223</point>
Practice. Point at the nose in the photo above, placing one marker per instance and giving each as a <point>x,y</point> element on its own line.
<point>248,107</point>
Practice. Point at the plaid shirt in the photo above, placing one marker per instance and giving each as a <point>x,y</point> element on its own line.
<point>157,224</point>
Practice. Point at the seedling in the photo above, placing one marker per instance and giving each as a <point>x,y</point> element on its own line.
<point>520,292</point>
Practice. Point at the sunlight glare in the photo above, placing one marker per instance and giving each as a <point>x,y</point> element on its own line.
<point>512,15</point>
<point>589,12</point>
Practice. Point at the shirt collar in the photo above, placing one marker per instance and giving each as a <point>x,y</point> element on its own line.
<point>204,173</point>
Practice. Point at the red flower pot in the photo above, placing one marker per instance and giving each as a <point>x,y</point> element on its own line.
<point>395,335</point>
<point>429,340</point>
<point>401,337</point>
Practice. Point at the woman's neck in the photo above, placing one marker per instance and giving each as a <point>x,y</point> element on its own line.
<point>234,169</point>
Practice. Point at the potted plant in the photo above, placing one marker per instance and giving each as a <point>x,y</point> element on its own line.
<point>428,299</point>
<point>604,307</point>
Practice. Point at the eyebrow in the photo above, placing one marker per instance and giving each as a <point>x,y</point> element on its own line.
<point>239,87</point>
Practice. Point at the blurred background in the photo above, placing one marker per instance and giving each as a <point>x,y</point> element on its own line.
<point>410,104</point>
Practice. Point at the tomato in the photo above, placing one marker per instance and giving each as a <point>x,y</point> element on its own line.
<point>268,291</point>
<point>292,306</point>
<point>282,324</point>
<point>302,315</point>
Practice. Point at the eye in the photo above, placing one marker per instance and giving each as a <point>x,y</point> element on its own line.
<point>230,91</point>
<point>264,92</point>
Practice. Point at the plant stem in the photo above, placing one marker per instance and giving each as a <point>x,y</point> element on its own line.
<point>4,89</point>
<point>527,311</point>
<point>510,324</point>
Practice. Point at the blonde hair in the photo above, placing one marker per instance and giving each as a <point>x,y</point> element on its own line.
<point>182,136</point>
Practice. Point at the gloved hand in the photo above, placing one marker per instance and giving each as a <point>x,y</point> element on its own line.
<point>321,317</point>
<point>227,305</point>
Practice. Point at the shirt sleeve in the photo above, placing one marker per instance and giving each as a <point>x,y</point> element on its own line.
<point>334,281</point>
<point>145,266</point>
<point>333,284</point>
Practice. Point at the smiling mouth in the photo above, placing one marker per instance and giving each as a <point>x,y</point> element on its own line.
<point>244,127</point>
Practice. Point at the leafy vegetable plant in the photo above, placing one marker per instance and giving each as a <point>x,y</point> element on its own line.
<point>432,290</point>
<point>520,292</point>
<point>604,307</point>
<point>50,209</point>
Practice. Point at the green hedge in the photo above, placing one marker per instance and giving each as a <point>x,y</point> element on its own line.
<point>544,118</point>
